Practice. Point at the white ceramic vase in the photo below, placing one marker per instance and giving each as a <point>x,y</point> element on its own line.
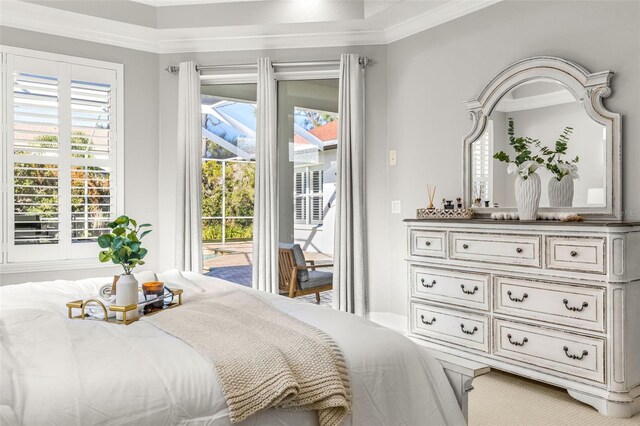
<point>127,294</point>
<point>528,196</point>
<point>561,191</point>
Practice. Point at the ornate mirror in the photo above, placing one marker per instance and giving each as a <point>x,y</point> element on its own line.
<point>542,98</point>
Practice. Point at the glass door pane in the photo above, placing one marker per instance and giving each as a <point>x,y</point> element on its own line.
<point>228,180</point>
<point>307,146</point>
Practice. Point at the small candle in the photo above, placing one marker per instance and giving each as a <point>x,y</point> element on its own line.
<point>152,290</point>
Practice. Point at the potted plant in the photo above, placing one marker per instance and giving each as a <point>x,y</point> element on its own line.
<point>564,172</point>
<point>123,246</point>
<point>525,164</point>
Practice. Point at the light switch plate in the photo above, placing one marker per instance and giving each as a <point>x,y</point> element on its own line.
<point>396,207</point>
<point>392,158</point>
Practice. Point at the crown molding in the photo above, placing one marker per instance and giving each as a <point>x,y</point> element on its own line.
<point>434,17</point>
<point>48,20</point>
<point>62,23</point>
<point>274,41</point>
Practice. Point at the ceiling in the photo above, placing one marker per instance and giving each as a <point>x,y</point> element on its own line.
<point>169,26</point>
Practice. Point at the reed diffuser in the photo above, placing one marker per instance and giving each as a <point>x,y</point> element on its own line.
<point>431,193</point>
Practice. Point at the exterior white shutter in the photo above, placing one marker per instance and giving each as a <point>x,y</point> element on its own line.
<point>316,198</point>
<point>300,198</point>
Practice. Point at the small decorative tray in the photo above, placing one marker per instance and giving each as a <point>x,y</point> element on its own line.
<point>83,304</point>
<point>445,213</point>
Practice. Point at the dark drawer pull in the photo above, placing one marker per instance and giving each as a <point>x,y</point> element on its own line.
<point>515,342</point>
<point>573,308</point>
<point>467,331</point>
<point>465,246</point>
<point>424,284</point>
<point>427,322</point>
<point>573,253</point>
<point>518,250</point>
<point>428,243</point>
<point>515,299</point>
<point>475,288</point>
<point>578,357</point>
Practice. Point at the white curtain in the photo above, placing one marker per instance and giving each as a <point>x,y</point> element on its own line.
<point>349,278</point>
<point>189,157</point>
<point>265,214</point>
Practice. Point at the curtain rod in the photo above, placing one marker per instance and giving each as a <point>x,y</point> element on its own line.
<point>173,69</point>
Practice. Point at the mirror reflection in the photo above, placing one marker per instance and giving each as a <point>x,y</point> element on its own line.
<point>542,110</point>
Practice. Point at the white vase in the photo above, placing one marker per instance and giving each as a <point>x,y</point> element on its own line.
<point>561,191</point>
<point>528,196</point>
<point>127,294</point>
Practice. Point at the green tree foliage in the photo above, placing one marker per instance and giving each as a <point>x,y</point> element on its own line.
<point>239,197</point>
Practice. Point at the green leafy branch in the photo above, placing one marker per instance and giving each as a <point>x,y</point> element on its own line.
<point>555,163</point>
<point>123,245</point>
<point>522,145</point>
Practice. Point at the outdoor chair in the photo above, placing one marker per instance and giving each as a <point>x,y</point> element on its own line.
<point>299,277</point>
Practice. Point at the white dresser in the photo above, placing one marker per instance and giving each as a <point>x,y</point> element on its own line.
<point>555,302</point>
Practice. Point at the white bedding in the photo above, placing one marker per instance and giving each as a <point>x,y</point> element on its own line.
<point>57,371</point>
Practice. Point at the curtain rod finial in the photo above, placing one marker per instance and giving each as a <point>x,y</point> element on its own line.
<point>364,61</point>
<point>172,69</point>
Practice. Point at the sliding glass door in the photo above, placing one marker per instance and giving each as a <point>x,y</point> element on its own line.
<point>307,146</point>
<point>228,180</point>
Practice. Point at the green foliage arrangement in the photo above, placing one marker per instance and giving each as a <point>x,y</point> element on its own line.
<point>525,162</point>
<point>555,164</point>
<point>123,244</point>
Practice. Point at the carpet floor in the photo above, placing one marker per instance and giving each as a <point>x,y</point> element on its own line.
<point>501,399</point>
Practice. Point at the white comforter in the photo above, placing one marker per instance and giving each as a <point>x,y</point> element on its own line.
<point>57,371</point>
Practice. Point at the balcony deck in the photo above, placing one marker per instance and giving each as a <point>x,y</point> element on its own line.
<point>231,261</point>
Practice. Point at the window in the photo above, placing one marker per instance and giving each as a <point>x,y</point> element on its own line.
<point>481,165</point>
<point>308,196</point>
<point>63,153</point>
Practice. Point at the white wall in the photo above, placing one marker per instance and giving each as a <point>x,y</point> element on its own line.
<point>429,75</point>
<point>140,135</point>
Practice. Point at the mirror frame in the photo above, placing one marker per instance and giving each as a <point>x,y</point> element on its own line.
<point>590,87</point>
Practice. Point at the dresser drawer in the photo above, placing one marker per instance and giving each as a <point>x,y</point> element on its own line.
<point>580,254</point>
<point>556,350</point>
<point>565,304</point>
<point>427,243</point>
<point>523,250</point>
<point>447,286</point>
<point>468,330</point>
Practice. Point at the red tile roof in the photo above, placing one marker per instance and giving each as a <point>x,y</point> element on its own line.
<point>328,132</point>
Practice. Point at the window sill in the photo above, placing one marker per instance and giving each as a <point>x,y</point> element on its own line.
<point>54,265</point>
<point>307,227</point>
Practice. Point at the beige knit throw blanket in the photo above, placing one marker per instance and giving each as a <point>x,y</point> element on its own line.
<point>263,358</point>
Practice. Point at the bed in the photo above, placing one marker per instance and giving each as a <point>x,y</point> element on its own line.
<point>71,372</point>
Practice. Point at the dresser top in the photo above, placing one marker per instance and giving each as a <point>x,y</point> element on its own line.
<point>603,223</point>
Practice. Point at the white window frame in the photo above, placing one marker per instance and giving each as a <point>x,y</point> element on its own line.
<point>6,177</point>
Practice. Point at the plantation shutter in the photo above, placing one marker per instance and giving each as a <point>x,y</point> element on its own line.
<point>481,163</point>
<point>61,157</point>
<point>93,156</point>
<point>34,120</point>
<point>300,199</point>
